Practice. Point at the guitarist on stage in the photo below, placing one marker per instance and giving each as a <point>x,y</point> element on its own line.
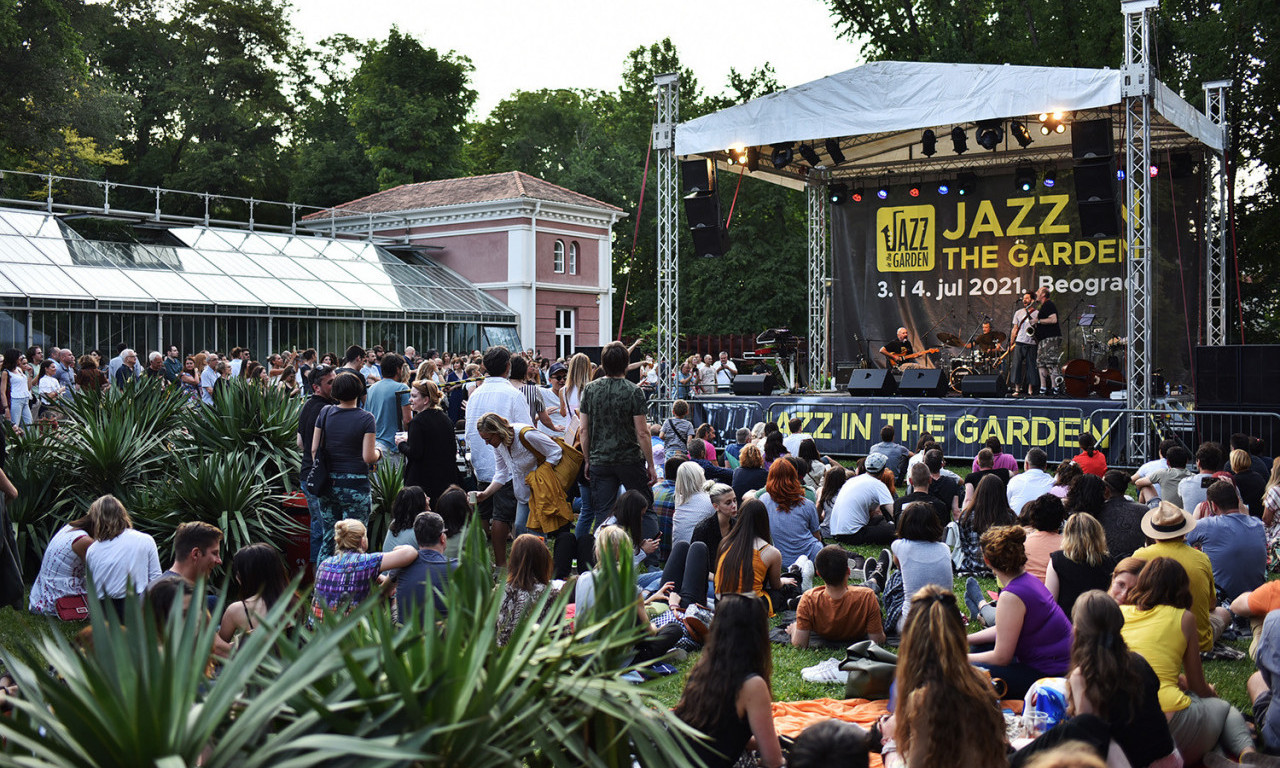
<point>899,354</point>
<point>1025,379</point>
<point>1048,340</point>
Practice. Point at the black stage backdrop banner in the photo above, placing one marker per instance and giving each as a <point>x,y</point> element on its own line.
<point>942,263</point>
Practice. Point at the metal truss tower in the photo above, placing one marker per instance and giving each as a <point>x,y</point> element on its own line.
<point>1139,18</point>
<point>1215,218</point>
<point>664,145</point>
<point>819,282</point>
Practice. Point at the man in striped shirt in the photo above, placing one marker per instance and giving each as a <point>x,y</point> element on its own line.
<point>528,386</point>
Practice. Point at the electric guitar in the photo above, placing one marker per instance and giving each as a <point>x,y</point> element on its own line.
<point>900,359</point>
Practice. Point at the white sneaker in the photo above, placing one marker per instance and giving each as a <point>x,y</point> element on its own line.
<point>825,672</point>
<point>806,572</point>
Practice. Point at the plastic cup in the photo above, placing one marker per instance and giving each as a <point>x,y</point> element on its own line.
<point>1035,723</point>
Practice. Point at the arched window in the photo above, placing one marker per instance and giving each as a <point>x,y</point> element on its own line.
<point>573,258</point>
<point>557,261</point>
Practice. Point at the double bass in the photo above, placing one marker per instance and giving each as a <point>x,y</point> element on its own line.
<point>1080,377</point>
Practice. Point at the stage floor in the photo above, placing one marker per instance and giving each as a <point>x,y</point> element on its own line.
<point>844,425</point>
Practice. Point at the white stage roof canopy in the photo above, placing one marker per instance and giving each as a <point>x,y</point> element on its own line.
<point>878,111</point>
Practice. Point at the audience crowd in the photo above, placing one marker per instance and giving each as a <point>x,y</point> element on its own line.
<point>561,464</point>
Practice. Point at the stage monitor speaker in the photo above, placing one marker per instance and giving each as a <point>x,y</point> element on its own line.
<point>1095,180</point>
<point>702,210</point>
<point>845,369</point>
<point>872,381</point>
<point>697,175</point>
<point>1092,138</point>
<point>753,384</point>
<point>592,353</point>
<point>710,241</point>
<point>983,385</point>
<point>923,382</point>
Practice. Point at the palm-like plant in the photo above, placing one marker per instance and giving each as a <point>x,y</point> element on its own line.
<point>386,482</point>
<point>260,422</point>
<point>130,699</point>
<point>233,491</point>
<point>38,511</point>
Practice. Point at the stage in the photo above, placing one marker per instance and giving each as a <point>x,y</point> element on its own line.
<point>848,426</point>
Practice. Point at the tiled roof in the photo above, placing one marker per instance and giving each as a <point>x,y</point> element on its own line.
<point>472,189</point>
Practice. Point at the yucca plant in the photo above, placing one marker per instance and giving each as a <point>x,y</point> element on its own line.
<point>111,456</point>
<point>141,697</point>
<point>449,691</point>
<point>39,510</point>
<point>150,404</point>
<point>260,422</point>
<point>386,482</point>
<point>233,491</point>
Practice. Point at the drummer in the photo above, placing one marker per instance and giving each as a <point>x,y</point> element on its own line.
<point>988,341</point>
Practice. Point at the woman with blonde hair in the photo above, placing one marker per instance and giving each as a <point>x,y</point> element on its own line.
<point>1249,484</point>
<point>1082,564</point>
<point>693,505</point>
<point>429,445</point>
<point>616,542</point>
<point>513,461</point>
<point>947,712</point>
<point>346,576</point>
<point>1270,508</point>
<point>579,375</point>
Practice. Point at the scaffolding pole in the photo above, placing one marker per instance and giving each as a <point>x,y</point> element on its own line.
<point>1139,18</point>
<point>1215,219</point>
<point>664,145</point>
<point>819,274</point>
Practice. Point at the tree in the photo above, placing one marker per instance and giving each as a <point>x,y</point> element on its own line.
<point>408,106</point>
<point>1196,42</point>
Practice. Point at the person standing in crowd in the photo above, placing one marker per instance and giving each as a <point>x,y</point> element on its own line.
<point>15,389</point>
<point>388,402</point>
<point>725,372</point>
<point>615,438</point>
<point>319,383</point>
<point>497,396</point>
<point>155,368</point>
<point>209,378</point>
<point>345,432</point>
<point>172,364</point>
<point>553,397</point>
<point>514,461</point>
<point>67,369</point>
<point>1024,348</point>
<point>429,445</point>
<point>126,372</point>
<point>525,379</point>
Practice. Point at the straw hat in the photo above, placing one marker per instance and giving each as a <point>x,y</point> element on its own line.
<point>1167,521</point>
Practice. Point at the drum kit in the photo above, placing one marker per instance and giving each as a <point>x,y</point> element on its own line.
<point>983,354</point>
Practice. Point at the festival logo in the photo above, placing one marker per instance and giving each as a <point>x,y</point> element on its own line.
<point>905,238</point>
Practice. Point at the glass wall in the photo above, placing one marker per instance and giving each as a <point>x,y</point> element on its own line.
<point>337,335</point>
<point>292,333</point>
<point>139,332</point>
<point>247,332</point>
<point>73,330</point>
<point>387,333</point>
<point>13,330</point>
<point>464,337</point>
<point>191,333</point>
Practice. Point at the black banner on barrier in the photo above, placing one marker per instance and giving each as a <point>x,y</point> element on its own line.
<point>938,262</point>
<point>849,427</point>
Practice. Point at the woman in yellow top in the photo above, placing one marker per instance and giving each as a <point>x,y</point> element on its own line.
<point>1159,626</point>
<point>749,564</point>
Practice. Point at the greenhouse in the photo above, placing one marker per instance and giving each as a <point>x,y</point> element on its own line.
<point>89,282</point>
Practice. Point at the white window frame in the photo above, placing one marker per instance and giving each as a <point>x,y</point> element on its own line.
<point>565,332</point>
<point>573,257</point>
<point>557,258</point>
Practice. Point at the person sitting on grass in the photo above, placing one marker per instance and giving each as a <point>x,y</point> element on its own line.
<point>749,564</point>
<point>830,744</point>
<point>346,576</point>
<point>835,614</point>
<point>528,578</point>
<point>261,581</point>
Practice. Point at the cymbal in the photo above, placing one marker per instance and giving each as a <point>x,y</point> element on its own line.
<point>950,339</point>
<point>990,339</point>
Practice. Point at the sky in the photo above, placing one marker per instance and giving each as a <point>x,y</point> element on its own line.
<point>524,45</point>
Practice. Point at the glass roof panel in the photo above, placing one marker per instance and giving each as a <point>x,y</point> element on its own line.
<point>370,298</point>
<point>235,263</point>
<point>326,294</point>
<point>255,243</point>
<point>303,246</point>
<point>165,285</point>
<point>19,250</point>
<point>283,267</point>
<point>341,251</point>
<point>24,222</point>
<point>8,288</point>
<point>272,292</point>
<point>326,270</point>
<point>220,289</point>
<point>44,280</point>
<point>195,262</point>
<point>107,283</point>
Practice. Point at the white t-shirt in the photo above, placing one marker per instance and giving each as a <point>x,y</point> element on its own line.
<point>1152,466</point>
<point>792,442</point>
<point>497,395</point>
<point>1026,486</point>
<point>50,385</point>
<point>854,502</point>
<point>724,375</point>
<point>552,400</point>
<point>129,557</point>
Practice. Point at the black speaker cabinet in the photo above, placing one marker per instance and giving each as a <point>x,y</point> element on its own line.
<point>975,385</point>
<point>872,381</point>
<point>592,353</point>
<point>923,382</point>
<point>753,384</point>
<point>1238,375</point>
<point>1092,138</point>
<point>697,175</point>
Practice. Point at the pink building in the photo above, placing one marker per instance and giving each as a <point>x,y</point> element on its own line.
<point>542,249</point>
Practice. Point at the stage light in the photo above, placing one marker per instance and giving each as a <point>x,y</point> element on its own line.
<point>928,143</point>
<point>1050,178</point>
<point>839,194</point>
<point>1051,122</point>
<point>748,157</point>
<point>1020,134</point>
<point>833,149</point>
<point>882,191</point>
<point>1155,171</point>
<point>989,134</point>
<point>858,194</point>
<point>959,143</point>
<point>966,183</point>
<point>914,190</point>
<point>943,188</point>
<point>1119,174</point>
<point>1025,178</point>
<point>782,155</point>
<point>810,157</point>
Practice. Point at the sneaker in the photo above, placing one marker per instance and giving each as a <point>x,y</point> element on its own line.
<point>886,562</point>
<point>806,573</point>
<point>827,671</point>
<point>677,655</point>
<point>869,570</point>
<point>972,596</point>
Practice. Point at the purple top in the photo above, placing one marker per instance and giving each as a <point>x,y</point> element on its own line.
<point>1045,641</point>
<point>1002,461</point>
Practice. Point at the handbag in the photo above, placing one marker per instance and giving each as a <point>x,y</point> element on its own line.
<point>570,460</point>
<point>871,670</point>
<point>317,481</point>
<point>72,608</point>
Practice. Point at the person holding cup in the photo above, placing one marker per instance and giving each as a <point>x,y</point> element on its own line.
<point>428,443</point>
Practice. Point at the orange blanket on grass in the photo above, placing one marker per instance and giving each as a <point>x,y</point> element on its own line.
<point>792,717</point>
